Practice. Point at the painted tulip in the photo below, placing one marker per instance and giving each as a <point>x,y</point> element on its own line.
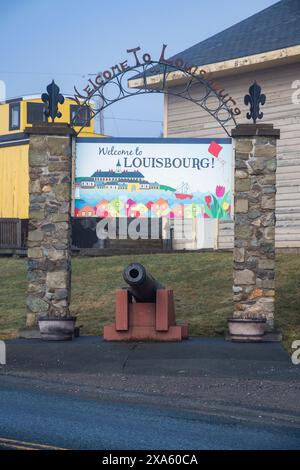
<point>208,200</point>
<point>225,206</point>
<point>220,191</point>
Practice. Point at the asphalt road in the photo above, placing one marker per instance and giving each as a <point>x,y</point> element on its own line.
<point>39,419</point>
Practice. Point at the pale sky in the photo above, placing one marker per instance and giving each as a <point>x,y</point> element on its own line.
<point>69,39</point>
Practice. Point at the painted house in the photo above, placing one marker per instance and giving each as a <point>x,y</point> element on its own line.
<point>102,208</point>
<point>264,47</point>
<point>177,211</point>
<point>86,211</point>
<point>160,207</point>
<point>133,211</point>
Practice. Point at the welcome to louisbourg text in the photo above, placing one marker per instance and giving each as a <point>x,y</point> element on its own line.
<point>131,160</point>
<point>138,58</point>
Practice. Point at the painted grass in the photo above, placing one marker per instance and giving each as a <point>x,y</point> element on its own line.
<point>201,282</point>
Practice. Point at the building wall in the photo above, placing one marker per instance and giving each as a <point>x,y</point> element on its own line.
<point>185,119</point>
<point>14,195</point>
<point>14,191</point>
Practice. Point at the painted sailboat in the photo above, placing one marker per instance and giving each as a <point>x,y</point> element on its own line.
<point>183,192</point>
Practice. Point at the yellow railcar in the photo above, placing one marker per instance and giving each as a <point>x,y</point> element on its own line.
<point>15,115</point>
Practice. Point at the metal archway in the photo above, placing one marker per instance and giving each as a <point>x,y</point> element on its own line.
<point>116,89</point>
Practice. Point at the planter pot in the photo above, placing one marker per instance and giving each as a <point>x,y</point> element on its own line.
<point>57,329</point>
<point>246,329</point>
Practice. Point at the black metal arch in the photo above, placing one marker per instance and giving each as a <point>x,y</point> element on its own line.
<point>116,89</point>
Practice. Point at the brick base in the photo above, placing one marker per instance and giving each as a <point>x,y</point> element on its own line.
<point>145,333</point>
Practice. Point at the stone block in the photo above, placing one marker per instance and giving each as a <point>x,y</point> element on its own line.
<point>35,186</point>
<point>266,179</point>
<point>241,205</point>
<point>240,164</point>
<point>59,146</point>
<point>266,283</point>
<point>61,294</point>
<point>30,320</point>
<point>268,202</point>
<point>55,255</point>
<point>242,185</point>
<point>35,253</point>
<point>265,151</point>
<point>269,233</point>
<point>256,165</point>
<point>255,294</point>
<point>62,192</point>
<point>48,228</point>
<point>237,289</point>
<point>59,167</point>
<point>57,279</point>
<point>271,189</point>
<point>268,219</point>
<point>239,156</point>
<point>243,232</point>
<point>239,255</point>
<point>266,263</point>
<point>37,305</point>
<point>36,214</point>
<point>254,212</point>
<point>60,217</point>
<point>241,174</point>
<point>37,157</point>
<point>243,145</point>
<point>244,276</point>
<point>35,235</point>
<point>271,165</point>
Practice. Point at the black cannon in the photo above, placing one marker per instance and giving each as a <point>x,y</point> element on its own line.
<point>142,285</point>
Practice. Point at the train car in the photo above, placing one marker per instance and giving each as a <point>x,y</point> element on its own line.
<point>15,115</point>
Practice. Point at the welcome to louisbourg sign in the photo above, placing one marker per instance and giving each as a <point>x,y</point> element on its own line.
<point>111,85</point>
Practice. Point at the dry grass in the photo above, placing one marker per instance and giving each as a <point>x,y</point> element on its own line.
<point>201,281</point>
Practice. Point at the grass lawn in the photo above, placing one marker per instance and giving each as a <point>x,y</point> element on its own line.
<point>201,281</point>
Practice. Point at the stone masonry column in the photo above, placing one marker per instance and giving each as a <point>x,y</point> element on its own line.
<point>49,231</point>
<point>254,224</point>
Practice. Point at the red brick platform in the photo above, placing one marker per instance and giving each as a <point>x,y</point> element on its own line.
<point>149,321</point>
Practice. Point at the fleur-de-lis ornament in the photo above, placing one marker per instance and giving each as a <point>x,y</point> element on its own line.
<point>255,99</point>
<point>52,98</point>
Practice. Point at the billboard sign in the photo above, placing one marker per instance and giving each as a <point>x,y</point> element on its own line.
<point>153,177</point>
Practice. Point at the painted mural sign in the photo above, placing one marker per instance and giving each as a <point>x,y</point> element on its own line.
<point>149,177</point>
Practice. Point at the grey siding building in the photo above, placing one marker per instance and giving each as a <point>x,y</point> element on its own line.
<point>265,48</point>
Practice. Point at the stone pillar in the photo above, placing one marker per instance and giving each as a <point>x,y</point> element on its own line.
<point>49,231</point>
<point>254,221</point>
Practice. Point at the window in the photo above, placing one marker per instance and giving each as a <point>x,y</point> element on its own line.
<point>14,116</point>
<point>80,115</point>
<point>35,113</point>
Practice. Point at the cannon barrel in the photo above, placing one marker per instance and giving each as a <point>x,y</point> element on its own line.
<point>142,285</point>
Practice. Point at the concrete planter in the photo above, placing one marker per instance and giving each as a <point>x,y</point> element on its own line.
<point>246,329</point>
<point>56,328</point>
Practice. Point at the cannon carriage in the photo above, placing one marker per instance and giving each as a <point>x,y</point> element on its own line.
<point>145,310</point>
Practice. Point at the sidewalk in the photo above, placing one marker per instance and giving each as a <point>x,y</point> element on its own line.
<point>247,381</point>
